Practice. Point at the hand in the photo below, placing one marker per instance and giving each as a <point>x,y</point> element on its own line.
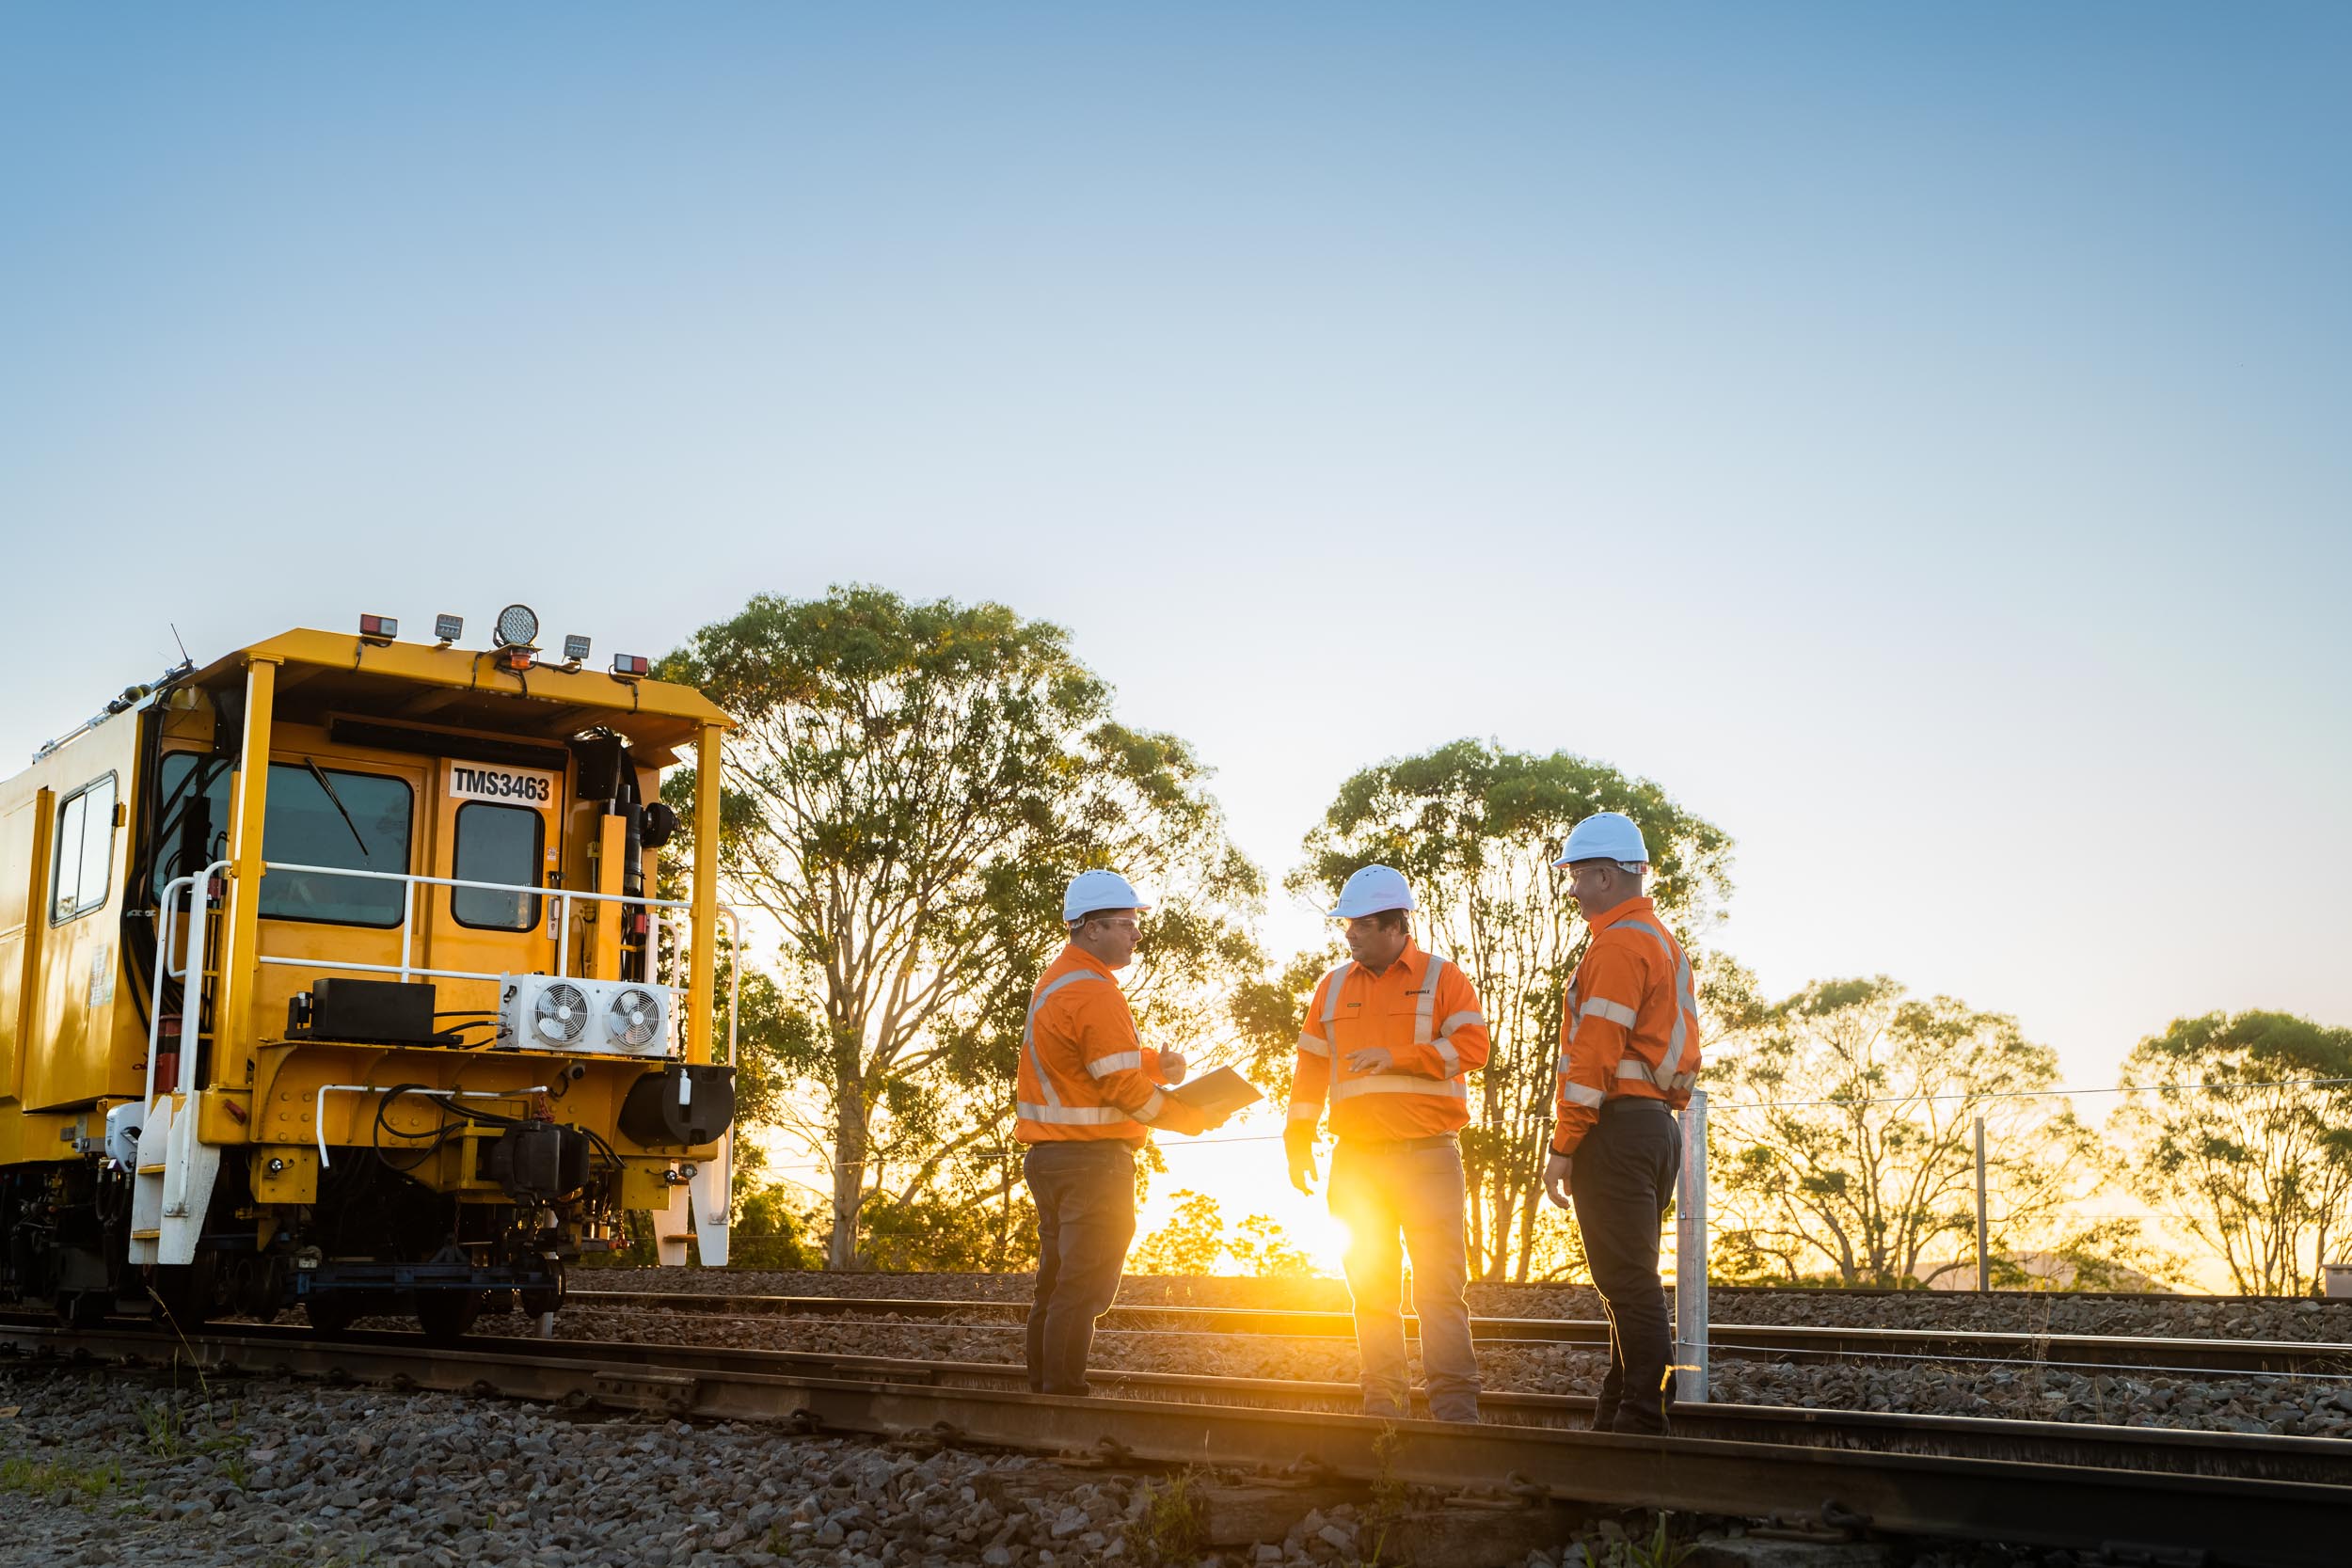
<point>1173,1066</point>
<point>1374,1058</point>
<point>1556,1179</point>
<point>1302,1157</point>
<point>1177,1117</point>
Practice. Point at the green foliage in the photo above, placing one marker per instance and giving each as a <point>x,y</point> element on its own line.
<point>1195,1240</point>
<point>1191,1242</point>
<point>1843,1136</point>
<point>1475,828</point>
<point>1174,1527</point>
<point>59,1479</point>
<point>1613,1547</point>
<point>2260,1177</point>
<point>1391,1496</point>
<point>927,1233</point>
<point>909,788</point>
<point>771,1231</point>
<point>1263,1247</point>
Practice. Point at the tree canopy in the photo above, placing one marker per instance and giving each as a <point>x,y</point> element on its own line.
<point>1842,1137</point>
<point>911,787</point>
<point>2239,1139</point>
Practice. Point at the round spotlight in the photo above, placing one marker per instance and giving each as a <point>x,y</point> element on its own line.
<point>517,628</point>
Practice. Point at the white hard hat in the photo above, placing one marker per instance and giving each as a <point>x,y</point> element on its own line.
<point>1369,891</point>
<point>1090,890</point>
<point>1605,835</point>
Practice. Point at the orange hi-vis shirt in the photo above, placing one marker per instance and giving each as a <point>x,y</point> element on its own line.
<point>1632,1022</point>
<point>1424,1009</point>
<point>1085,1072</point>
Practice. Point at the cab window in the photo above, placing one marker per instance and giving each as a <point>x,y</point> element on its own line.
<point>84,851</point>
<point>497,844</point>
<point>329,818</point>
<point>192,826</point>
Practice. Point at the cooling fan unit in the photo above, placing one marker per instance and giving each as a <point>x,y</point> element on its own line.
<point>546,1012</point>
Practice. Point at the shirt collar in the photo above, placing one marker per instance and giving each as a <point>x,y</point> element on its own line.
<point>1625,910</point>
<point>1413,961</point>
<point>1071,950</point>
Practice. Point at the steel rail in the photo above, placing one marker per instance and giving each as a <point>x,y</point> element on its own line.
<point>2180,1450</point>
<point>1750,1341</point>
<point>2256,1523</point>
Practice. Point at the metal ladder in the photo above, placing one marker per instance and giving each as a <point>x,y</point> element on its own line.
<point>172,1179</point>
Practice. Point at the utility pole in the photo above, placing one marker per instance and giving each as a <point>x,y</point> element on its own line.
<point>1691,1258</point>
<point>1984,1259</point>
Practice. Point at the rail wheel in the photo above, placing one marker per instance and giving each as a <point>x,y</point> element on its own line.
<point>83,1309</point>
<point>548,1300</point>
<point>184,1295</point>
<point>446,1315</point>
<point>334,1313</point>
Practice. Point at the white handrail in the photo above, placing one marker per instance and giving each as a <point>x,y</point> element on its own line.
<point>410,880</point>
<point>563,920</point>
<point>192,972</point>
<point>155,997</point>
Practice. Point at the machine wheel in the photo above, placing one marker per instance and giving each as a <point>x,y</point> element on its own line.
<point>83,1309</point>
<point>549,1300</point>
<point>446,1315</point>
<point>184,1293</point>
<point>334,1313</point>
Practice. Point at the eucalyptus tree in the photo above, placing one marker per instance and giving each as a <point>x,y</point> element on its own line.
<point>1843,1137</point>
<point>2241,1135</point>
<point>909,789</point>
<point>1475,828</point>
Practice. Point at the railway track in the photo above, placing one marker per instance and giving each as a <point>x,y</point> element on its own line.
<point>1747,1341</point>
<point>2242,1500</point>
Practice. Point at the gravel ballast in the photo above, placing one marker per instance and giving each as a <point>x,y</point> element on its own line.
<point>138,1471</point>
<point>127,1471</point>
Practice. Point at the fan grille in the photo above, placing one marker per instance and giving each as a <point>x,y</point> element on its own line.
<point>561,1014</point>
<point>636,1017</point>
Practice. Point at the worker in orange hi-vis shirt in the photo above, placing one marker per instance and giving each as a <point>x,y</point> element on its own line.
<point>1089,1089</point>
<point>1390,1038</point>
<point>1629,1055</point>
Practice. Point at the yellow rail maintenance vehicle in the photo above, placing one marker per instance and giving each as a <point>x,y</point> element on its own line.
<point>331,974</point>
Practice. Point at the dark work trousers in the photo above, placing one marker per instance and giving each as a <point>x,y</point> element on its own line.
<point>1622,1178</point>
<point>1086,1216</point>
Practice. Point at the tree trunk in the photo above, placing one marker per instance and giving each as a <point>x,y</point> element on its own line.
<point>849,1173</point>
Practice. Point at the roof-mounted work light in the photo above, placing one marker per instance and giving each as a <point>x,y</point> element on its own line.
<point>575,648</point>
<point>448,629</point>
<point>630,665</point>
<point>378,628</point>
<point>517,628</point>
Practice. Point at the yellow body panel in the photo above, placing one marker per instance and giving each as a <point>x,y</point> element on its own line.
<point>73,1031</point>
<point>75,1035</point>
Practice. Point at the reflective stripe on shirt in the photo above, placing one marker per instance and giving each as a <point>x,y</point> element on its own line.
<point>1028,1043</point>
<point>1436,1089</point>
<point>1074,1115</point>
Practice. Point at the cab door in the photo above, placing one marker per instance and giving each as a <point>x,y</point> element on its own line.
<point>344,809</point>
<point>494,823</point>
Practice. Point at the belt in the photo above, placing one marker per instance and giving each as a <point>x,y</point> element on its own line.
<point>1634,1103</point>
<point>1435,1140</point>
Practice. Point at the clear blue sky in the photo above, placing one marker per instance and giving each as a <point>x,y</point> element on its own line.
<point>1917,437</point>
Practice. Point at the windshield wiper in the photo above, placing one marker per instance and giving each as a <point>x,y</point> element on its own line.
<point>318,773</point>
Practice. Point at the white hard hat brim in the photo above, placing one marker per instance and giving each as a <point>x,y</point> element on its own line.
<point>1346,911</point>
